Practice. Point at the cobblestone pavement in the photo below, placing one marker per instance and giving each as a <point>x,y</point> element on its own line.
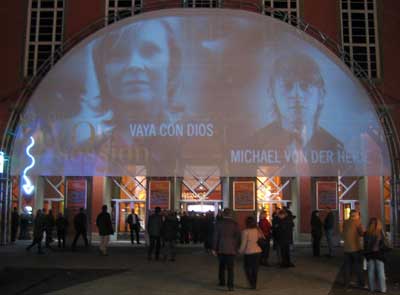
<point>127,271</point>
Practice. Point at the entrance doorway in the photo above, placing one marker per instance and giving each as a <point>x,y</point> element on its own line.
<point>345,206</point>
<point>201,206</point>
<point>121,210</point>
<point>269,207</point>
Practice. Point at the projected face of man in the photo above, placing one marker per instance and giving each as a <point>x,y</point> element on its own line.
<point>137,71</point>
<point>298,94</point>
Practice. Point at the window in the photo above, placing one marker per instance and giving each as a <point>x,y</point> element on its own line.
<point>44,33</point>
<point>287,10</point>
<point>201,3</point>
<point>360,35</point>
<point>119,9</point>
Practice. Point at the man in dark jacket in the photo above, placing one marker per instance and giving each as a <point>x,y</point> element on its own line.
<point>133,221</point>
<point>284,234</point>
<point>38,229</point>
<point>226,242</point>
<point>154,227</point>
<point>80,225</point>
<point>104,224</point>
<point>61,225</point>
<point>170,233</point>
<point>329,223</point>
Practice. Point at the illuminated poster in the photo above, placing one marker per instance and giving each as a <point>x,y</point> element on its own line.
<point>327,195</point>
<point>243,195</point>
<point>153,95</point>
<point>159,194</point>
<point>76,195</point>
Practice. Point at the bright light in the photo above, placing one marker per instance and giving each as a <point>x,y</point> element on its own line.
<point>201,208</point>
<point>28,187</point>
<point>28,209</point>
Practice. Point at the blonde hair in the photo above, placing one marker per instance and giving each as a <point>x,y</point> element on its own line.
<point>374,227</point>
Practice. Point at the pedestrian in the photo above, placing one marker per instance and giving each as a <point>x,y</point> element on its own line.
<point>38,229</point>
<point>170,234</point>
<point>329,223</point>
<point>292,218</point>
<point>353,258</point>
<point>154,227</point>
<point>14,224</point>
<point>133,221</point>
<point>184,228</point>
<point>61,226</point>
<point>373,249</point>
<point>209,231</point>
<point>275,225</point>
<point>104,224</point>
<point>49,226</point>
<point>251,250</point>
<point>284,235</point>
<point>226,242</point>
<point>265,227</point>
<point>316,232</point>
<point>80,226</point>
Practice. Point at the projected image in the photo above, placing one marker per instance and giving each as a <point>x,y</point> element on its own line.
<point>295,140</point>
<point>163,92</point>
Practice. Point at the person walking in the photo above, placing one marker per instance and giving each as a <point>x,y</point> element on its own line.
<point>170,234</point>
<point>14,224</point>
<point>251,250</point>
<point>154,227</point>
<point>329,223</point>
<point>61,226</point>
<point>38,229</point>
<point>226,242</point>
<point>104,224</point>
<point>316,232</point>
<point>353,258</point>
<point>133,221</point>
<point>373,249</point>
<point>265,227</point>
<point>80,226</point>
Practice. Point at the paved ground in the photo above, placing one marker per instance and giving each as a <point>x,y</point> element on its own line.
<point>126,271</point>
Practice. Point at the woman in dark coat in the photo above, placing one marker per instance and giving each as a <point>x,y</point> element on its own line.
<point>104,224</point>
<point>316,232</point>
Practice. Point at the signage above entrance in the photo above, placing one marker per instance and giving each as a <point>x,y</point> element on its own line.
<point>162,92</point>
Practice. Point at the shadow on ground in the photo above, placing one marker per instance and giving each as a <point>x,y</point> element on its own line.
<point>39,281</point>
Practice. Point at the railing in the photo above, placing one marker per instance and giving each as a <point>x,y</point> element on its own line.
<point>388,125</point>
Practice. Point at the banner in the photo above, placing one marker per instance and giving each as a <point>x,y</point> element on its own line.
<point>327,195</point>
<point>152,95</point>
<point>159,194</point>
<point>243,195</point>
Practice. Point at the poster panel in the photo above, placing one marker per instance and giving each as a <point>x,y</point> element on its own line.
<point>243,195</point>
<point>76,195</point>
<point>159,194</point>
<point>327,195</point>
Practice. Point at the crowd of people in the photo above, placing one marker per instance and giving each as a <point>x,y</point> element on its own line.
<point>363,249</point>
<point>222,237</point>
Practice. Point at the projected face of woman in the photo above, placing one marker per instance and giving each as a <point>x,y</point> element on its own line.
<point>137,70</point>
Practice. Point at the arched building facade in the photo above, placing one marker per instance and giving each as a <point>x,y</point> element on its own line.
<point>206,189</point>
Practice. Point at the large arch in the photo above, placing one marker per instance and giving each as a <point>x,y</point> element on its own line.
<point>35,124</point>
